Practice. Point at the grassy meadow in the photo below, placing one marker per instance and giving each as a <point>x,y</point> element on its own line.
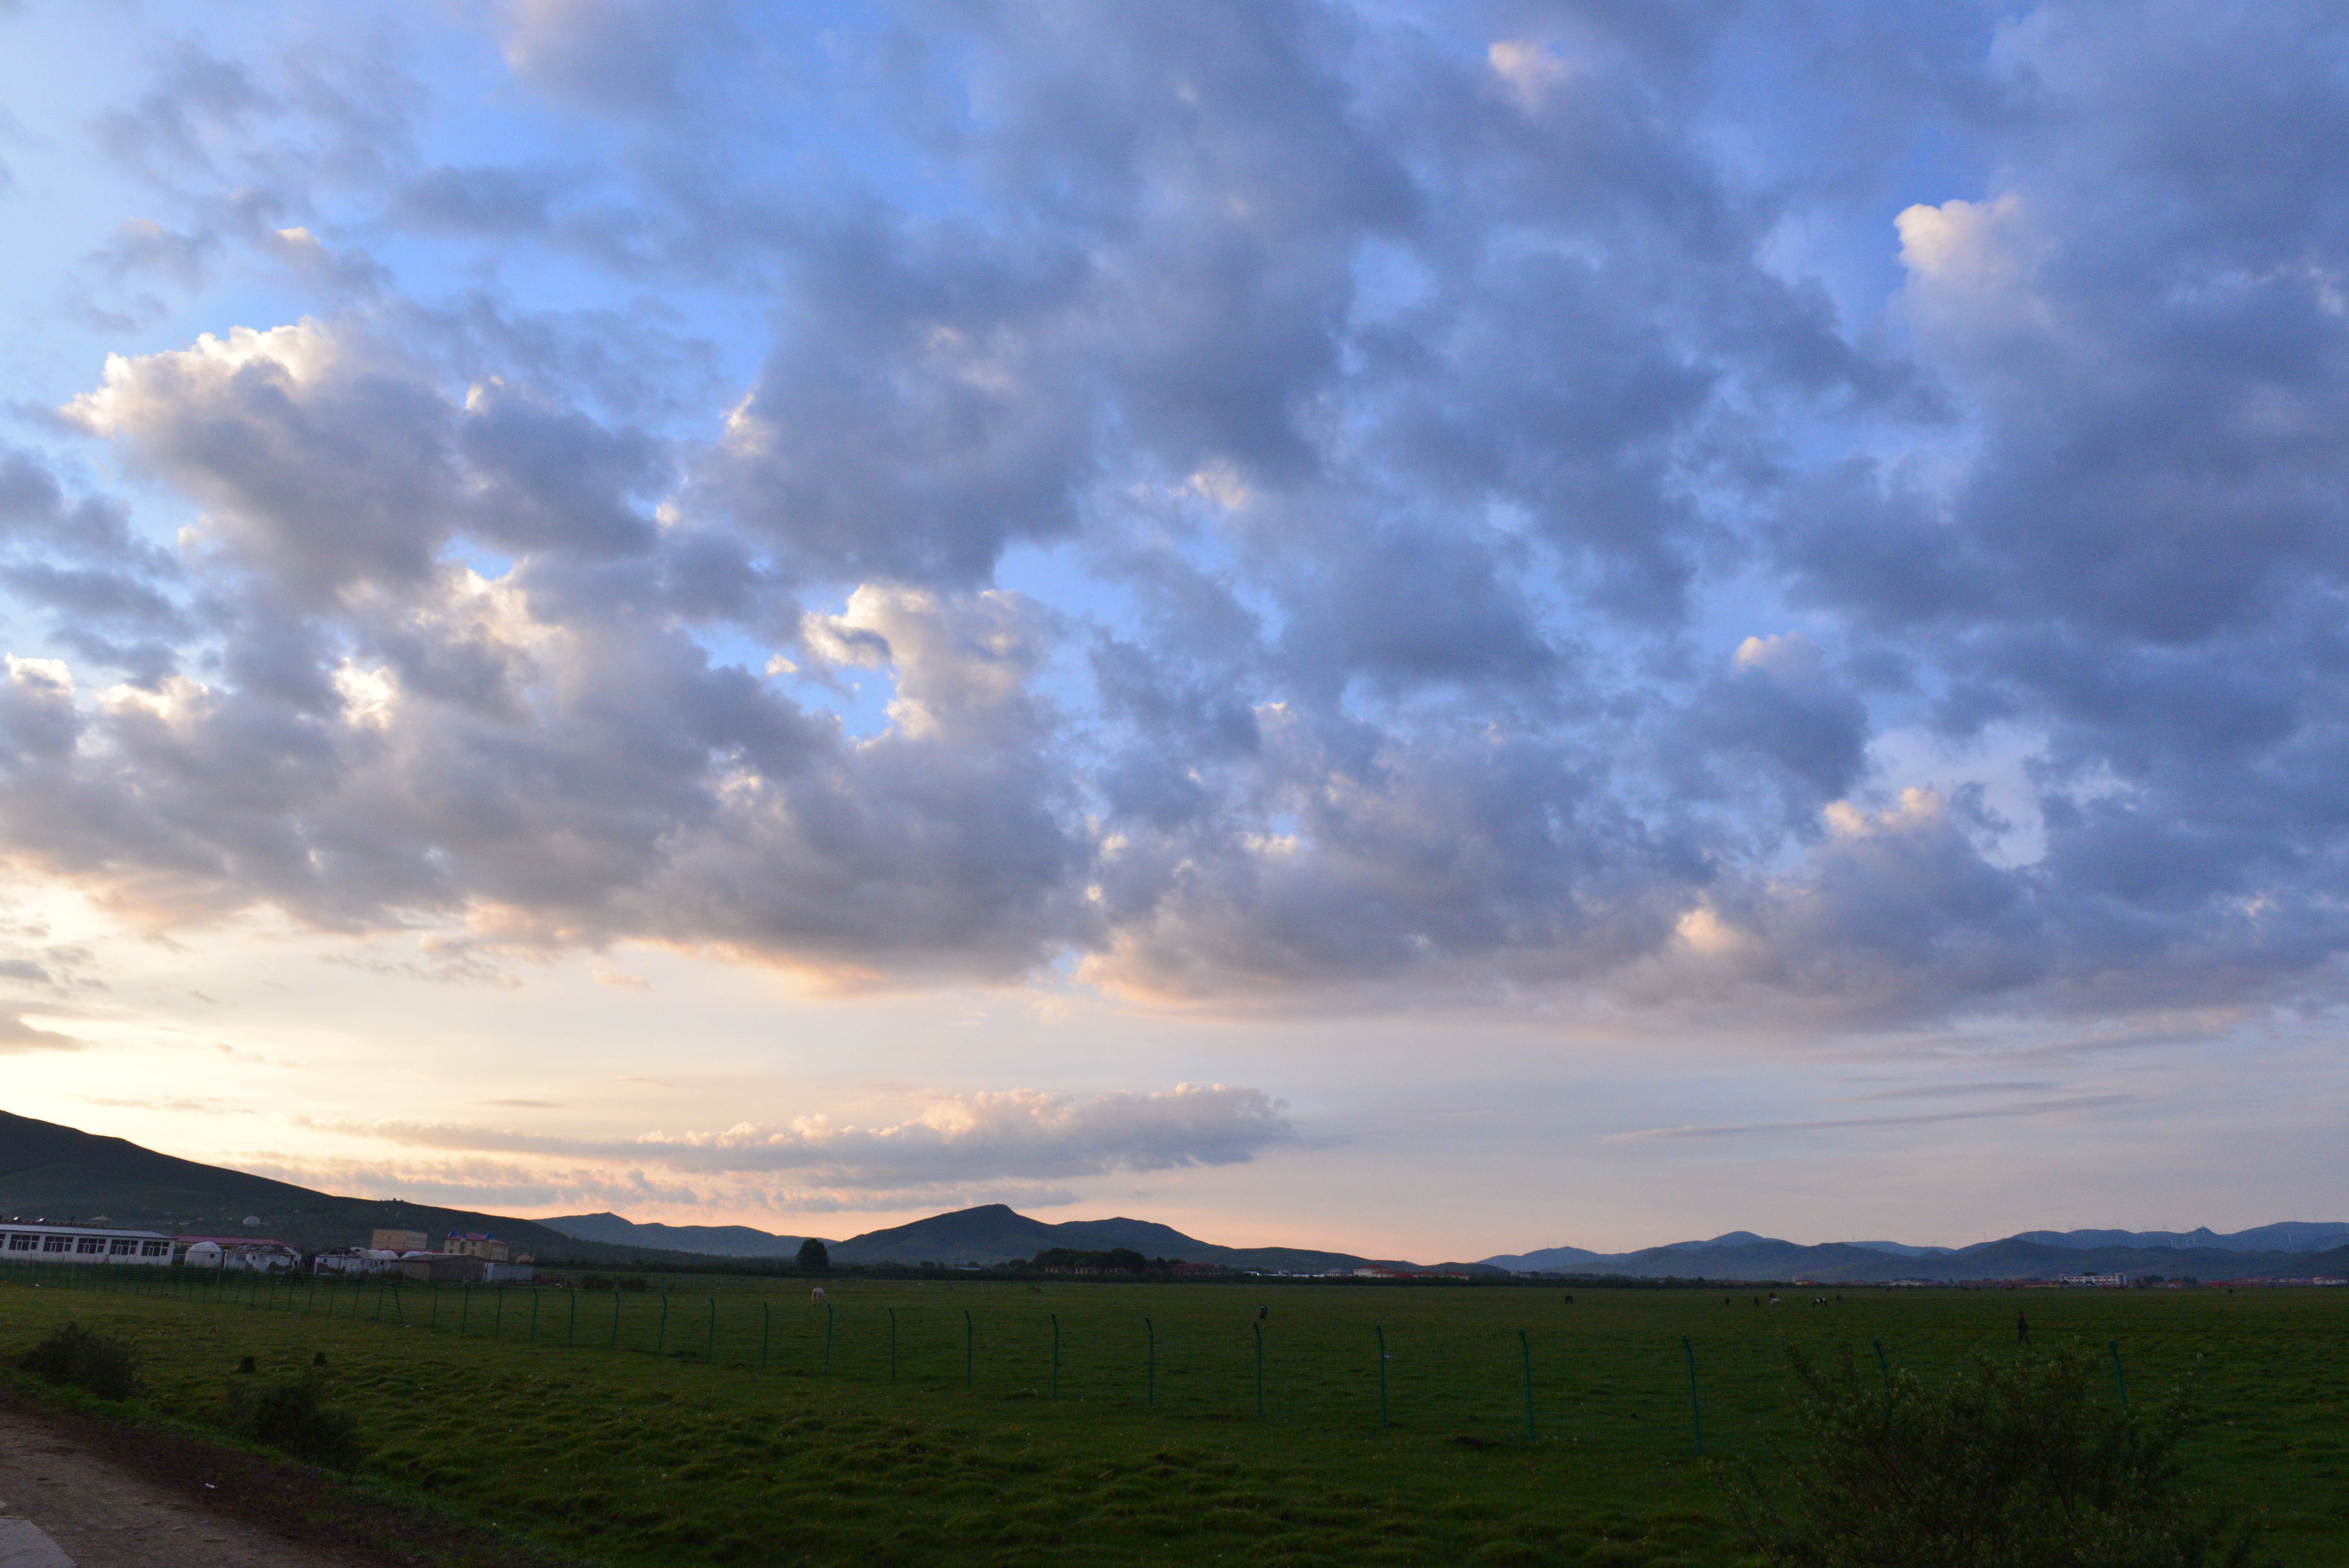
<point>512,1406</point>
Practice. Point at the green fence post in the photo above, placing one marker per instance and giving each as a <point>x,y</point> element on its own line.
<point>497,1317</point>
<point>535,1295</point>
<point>616,1317</point>
<point>827,1338</point>
<point>2119,1382</point>
<point>1526,1352</point>
<point>969,1373</point>
<point>464,1304</point>
<point>660,1339</point>
<point>1696,1415</point>
<point>1150,1330</point>
<point>1383,1375</point>
<point>1885,1368</point>
<point>382,1284</point>
<point>710,1351</point>
<point>571,1332</point>
<point>1260,1365</point>
<point>892,1342</point>
<point>1056,1353</point>
<point>766,1323</point>
<point>432,1289</point>
<point>399,1312</point>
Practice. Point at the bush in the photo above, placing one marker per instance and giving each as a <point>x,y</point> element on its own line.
<point>814,1254</point>
<point>2024,1464</point>
<point>295,1418</point>
<point>1116,1260</point>
<point>75,1358</point>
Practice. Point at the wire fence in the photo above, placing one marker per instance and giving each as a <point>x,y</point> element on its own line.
<point>1693,1393</point>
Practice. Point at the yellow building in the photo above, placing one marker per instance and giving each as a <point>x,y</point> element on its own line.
<point>400,1242</point>
<point>474,1244</point>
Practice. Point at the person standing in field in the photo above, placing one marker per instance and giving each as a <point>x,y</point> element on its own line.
<point>2021,1329</point>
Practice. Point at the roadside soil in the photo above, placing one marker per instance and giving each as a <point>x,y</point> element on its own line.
<point>117,1496</point>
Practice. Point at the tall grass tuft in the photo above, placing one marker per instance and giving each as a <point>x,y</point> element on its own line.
<point>75,1358</point>
<point>295,1419</point>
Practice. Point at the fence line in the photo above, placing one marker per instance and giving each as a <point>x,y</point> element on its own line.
<point>1211,1375</point>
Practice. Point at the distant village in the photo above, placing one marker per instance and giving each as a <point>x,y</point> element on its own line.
<point>462,1256</point>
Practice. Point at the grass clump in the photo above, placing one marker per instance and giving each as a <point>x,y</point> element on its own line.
<point>2030,1463</point>
<point>295,1419</point>
<point>76,1357</point>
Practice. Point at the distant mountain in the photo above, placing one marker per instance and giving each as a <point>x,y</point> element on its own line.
<point>2014,1257</point>
<point>994,1234</point>
<point>1555,1260</point>
<point>56,1172</point>
<point>1899,1249</point>
<point>711,1240</point>
<point>2290,1236</point>
<point>1733,1239</point>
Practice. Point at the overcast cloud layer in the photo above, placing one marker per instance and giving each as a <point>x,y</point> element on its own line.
<point>1830,515</point>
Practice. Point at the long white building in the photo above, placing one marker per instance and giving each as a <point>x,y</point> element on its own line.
<point>83,1244</point>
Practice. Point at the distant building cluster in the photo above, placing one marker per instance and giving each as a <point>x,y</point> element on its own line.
<point>463,1256</point>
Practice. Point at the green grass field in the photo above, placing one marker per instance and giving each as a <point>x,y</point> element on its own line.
<point>697,1452</point>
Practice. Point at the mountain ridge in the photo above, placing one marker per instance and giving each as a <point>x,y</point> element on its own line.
<point>57,1172</point>
<point>2324,1250</point>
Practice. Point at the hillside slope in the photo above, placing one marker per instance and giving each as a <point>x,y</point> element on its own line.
<point>48,1170</point>
<point>709,1241</point>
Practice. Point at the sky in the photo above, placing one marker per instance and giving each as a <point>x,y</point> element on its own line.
<point>1432,629</point>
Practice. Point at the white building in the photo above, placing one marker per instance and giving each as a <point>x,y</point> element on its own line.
<point>83,1244</point>
<point>358,1261</point>
<point>257,1254</point>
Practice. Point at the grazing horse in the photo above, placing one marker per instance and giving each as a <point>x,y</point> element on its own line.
<point>816,1295</point>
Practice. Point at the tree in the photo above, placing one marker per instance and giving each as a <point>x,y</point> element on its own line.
<point>2028,1463</point>
<point>814,1254</point>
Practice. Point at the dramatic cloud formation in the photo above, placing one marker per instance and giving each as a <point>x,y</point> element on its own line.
<point>1017,1144</point>
<point>1266,503</point>
<point>1017,1133</point>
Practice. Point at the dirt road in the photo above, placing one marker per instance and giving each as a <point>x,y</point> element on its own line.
<point>100,1514</point>
<point>77,1493</point>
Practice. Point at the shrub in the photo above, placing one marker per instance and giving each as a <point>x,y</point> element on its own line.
<point>635,1282</point>
<point>74,1357</point>
<point>295,1418</point>
<point>2024,1464</point>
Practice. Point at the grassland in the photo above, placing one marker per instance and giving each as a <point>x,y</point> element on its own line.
<point>681,1447</point>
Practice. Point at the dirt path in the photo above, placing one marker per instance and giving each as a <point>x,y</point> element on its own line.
<point>103,1515</point>
<point>111,1496</point>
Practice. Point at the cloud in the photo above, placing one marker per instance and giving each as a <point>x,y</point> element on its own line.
<point>622,57</point>
<point>15,1035</point>
<point>1332,510</point>
<point>1840,1123</point>
<point>1022,1135</point>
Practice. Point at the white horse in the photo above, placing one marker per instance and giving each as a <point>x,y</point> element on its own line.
<point>816,1295</point>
